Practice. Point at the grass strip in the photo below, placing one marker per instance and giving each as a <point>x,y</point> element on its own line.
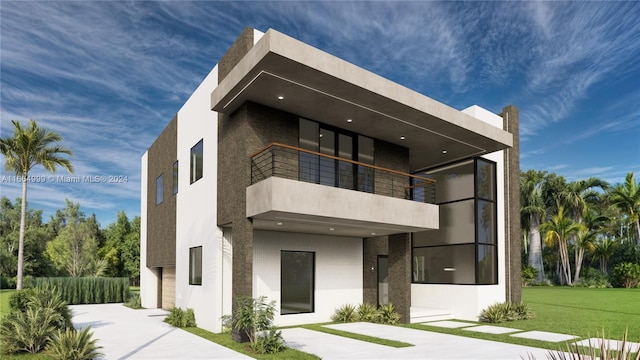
<point>371,339</point>
<point>505,338</point>
<point>225,340</point>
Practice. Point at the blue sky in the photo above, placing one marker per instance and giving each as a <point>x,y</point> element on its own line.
<point>108,76</point>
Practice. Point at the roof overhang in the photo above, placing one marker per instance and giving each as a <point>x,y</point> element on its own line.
<point>319,86</point>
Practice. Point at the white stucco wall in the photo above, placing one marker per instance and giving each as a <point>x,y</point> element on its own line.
<point>466,301</point>
<point>196,208</point>
<point>338,272</point>
<point>148,277</point>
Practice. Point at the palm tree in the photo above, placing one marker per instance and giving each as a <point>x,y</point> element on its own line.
<point>593,222</point>
<point>604,248</point>
<point>27,148</point>
<point>626,197</point>
<point>575,197</point>
<point>558,230</point>
<point>533,209</point>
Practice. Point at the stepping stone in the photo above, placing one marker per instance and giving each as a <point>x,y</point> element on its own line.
<point>448,324</point>
<point>490,329</point>
<point>611,344</point>
<point>545,336</point>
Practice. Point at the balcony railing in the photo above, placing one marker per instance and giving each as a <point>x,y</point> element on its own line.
<point>294,163</point>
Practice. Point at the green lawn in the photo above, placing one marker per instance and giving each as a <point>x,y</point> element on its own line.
<point>576,311</point>
<point>582,311</point>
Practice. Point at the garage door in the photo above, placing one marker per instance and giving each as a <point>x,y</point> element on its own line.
<point>168,287</point>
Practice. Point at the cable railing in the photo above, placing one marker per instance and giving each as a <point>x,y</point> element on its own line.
<point>290,162</point>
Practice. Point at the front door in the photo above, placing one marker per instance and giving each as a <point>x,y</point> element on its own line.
<point>383,280</point>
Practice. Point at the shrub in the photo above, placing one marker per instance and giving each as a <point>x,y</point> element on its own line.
<point>19,299</point>
<point>180,318</point>
<point>268,342</point>
<point>368,312</point>
<point>28,330</point>
<point>506,311</point>
<point>50,298</point>
<point>7,282</point>
<point>388,314</point>
<point>593,278</point>
<point>575,352</point>
<point>528,274</point>
<point>345,313</point>
<point>88,290</point>
<point>254,318</point>
<point>134,302</point>
<point>626,275</point>
<point>74,345</point>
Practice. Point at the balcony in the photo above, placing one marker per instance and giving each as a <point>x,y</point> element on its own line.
<point>305,191</point>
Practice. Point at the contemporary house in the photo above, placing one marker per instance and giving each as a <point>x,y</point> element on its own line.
<point>292,174</point>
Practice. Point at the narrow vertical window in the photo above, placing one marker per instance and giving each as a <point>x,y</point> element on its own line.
<point>159,189</point>
<point>196,162</point>
<point>175,177</point>
<point>297,273</point>
<point>195,265</point>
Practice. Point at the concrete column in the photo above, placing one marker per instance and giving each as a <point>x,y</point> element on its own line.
<point>400,274</point>
<point>512,206</point>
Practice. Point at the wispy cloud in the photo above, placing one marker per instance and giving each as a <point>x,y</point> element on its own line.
<point>108,76</point>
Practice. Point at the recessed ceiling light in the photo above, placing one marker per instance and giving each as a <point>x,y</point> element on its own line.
<point>373,234</point>
<point>444,151</point>
<point>402,137</point>
<point>331,229</point>
<point>279,223</point>
<point>280,97</point>
<point>349,120</point>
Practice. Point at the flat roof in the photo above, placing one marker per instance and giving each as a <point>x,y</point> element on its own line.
<point>319,86</point>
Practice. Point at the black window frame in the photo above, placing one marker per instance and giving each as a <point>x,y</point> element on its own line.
<point>175,177</point>
<point>196,163</point>
<point>195,269</point>
<point>493,244</point>
<point>160,189</point>
<point>313,281</point>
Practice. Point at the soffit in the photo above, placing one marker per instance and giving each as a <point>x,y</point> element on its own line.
<point>324,88</point>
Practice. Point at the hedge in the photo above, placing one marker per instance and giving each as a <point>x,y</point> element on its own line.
<point>88,290</point>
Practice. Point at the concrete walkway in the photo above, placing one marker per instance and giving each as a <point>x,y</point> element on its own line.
<point>125,333</point>
<point>428,345</point>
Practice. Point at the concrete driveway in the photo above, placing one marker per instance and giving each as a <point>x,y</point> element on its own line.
<point>125,333</point>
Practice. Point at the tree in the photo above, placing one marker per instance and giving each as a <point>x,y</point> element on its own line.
<point>558,230</point>
<point>27,148</point>
<point>603,248</point>
<point>533,209</point>
<point>75,248</point>
<point>131,252</point>
<point>626,197</point>
<point>585,239</point>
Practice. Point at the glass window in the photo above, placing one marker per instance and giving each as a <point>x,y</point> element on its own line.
<point>308,140</point>
<point>175,177</point>
<point>365,156</point>
<point>487,265</point>
<point>196,162</point>
<point>453,264</point>
<point>463,250</point>
<point>160,189</point>
<point>195,265</point>
<point>345,169</point>
<point>453,182</point>
<point>486,180</point>
<point>457,225</point>
<point>327,166</point>
<point>486,222</point>
<point>297,273</point>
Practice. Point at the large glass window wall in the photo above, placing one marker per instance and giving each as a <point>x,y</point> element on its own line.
<point>337,143</point>
<point>463,250</point>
